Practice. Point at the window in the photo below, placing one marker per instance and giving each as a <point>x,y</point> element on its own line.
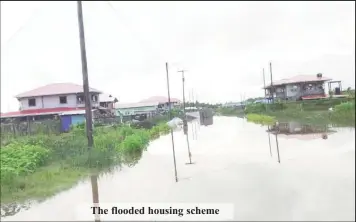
<point>32,102</point>
<point>80,99</point>
<point>94,98</point>
<point>63,100</point>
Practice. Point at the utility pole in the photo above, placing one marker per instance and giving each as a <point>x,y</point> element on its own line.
<point>264,81</point>
<point>185,123</point>
<point>87,97</point>
<point>95,194</point>
<point>272,88</point>
<point>170,118</point>
<point>264,86</point>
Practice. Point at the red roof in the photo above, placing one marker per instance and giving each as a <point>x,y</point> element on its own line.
<point>298,79</point>
<point>160,99</point>
<point>55,89</point>
<point>37,112</point>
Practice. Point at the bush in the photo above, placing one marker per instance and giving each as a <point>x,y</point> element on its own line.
<point>19,159</point>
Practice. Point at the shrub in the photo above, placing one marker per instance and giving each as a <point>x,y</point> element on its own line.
<point>19,159</point>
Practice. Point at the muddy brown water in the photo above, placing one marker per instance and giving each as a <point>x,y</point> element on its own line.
<point>235,162</point>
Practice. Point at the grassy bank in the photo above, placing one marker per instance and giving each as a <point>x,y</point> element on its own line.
<point>261,119</point>
<point>342,114</point>
<point>41,165</point>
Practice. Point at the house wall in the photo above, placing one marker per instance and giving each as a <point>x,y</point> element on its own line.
<point>44,102</point>
<point>78,119</point>
<point>293,91</point>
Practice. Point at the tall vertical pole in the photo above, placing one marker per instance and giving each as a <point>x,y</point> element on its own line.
<point>185,124</point>
<point>170,118</point>
<point>264,81</point>
<point>95,193</point>
<point>272,88</point>
<point>264,86</point>
<point>279,160</point>
<point>87,97</point>
<point>269,140</point>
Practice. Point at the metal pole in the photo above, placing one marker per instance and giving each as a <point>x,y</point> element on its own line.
<point>195,121</point>
<point>87,97</point>
<point>185,117</point>
<point>170,118</point>
<point>272,88</point>
<point>264,81</point>
<point>269,141</point>
<point>191,104</point>
<point>279,160</point>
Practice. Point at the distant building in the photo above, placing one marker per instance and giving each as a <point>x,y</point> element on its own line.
<point>107,101</point>
<point>56,95</point>
<point>131,109</point>
<point>162,101</point>
<point>53,99</point>
<point>298,87</point>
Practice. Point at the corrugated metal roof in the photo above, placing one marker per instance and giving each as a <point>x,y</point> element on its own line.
<point>160,99</point>
<point>38,112</point>
<point>74,112</point>
<point>106,98</point>
<point>135,105</point>
<point>298,79</point>
<point>55,89</point>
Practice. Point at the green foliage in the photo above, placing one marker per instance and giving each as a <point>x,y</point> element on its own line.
<point>261,119</point>
<point>256,108</point>
<point>344,112</point>
<point>19,159</point>
<point>28,155</point>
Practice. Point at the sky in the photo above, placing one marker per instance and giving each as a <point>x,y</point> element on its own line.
<point>224,46</point>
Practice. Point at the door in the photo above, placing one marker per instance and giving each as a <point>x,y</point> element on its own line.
<point>66,121</point>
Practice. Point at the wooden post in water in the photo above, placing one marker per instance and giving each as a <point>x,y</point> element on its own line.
<point>279,160</point>
<point>185,124</point>
<point>272,88</point>
<point>95,194</point>
<point>264,85</point>
<point>269,141</point>
<point>87,97</point>
<point>170,118</point>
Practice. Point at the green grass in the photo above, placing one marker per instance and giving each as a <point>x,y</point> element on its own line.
<point>44,182</point>
<point>38,166</point>
<point>261,119</point>
<point>312,112</point>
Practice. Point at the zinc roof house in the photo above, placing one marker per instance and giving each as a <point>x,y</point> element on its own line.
<point>52,99</point>
<point>298,87</point>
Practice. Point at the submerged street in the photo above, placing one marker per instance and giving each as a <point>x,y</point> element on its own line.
<point>234,162</point>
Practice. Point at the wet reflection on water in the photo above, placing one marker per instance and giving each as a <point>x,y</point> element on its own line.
<point>315,180</point>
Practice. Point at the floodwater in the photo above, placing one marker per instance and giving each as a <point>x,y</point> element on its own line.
<point>310,178</point>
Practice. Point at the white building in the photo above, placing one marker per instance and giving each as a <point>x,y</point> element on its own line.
<point>58,95</point>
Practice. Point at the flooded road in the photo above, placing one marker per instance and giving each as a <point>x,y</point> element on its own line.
<point>234,163</point>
